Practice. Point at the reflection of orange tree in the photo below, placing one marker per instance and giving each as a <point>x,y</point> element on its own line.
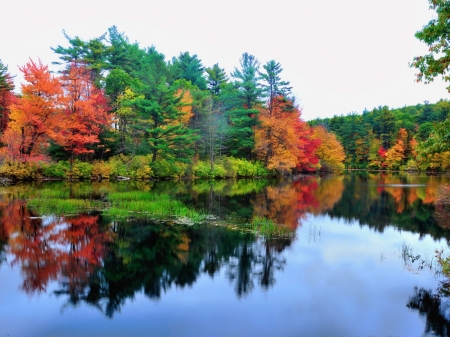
<point>327,194</point>
<point>69,248</point>
<point>287,204</point>
<point>84,242</point>
<point>404,196</point>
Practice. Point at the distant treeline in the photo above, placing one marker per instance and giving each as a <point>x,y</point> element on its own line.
<point>408,138</point>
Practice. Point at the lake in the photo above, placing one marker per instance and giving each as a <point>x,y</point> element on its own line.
<point>355,257</point>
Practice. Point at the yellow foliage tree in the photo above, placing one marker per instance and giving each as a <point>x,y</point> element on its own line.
<point>395,155</point>
<point>330,151</point>
<point>276,140</point>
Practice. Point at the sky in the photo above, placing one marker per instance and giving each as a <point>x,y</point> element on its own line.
<point>339,56</point>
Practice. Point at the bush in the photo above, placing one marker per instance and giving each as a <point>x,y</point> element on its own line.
<point>81,171</point>
<point>164,169</point>
<point>118,166</point>
<point>56,170</point>
<point>202,169</point>
<point>139,167</point>
<point>101,170</point>
<point>243,168</point>
<point>20,171</point>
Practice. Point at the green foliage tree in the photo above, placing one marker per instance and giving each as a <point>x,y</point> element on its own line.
<point>190,68</point>
<point>436,35</point>
<point>272,85</point>
<point>6,95</point>
<point>158,109</point>
<point>92,54</point>
<point>243,113</point>
<point>217,79</point>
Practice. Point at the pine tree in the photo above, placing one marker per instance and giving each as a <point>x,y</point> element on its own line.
<point>159,113</point>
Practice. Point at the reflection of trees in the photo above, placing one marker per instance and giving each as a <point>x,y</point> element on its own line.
<point>153,257</point>
<point>287,203</point>
<point>381,200</point>
<point>328,193</point>
<point>65,249</point>
<point>433,308</point>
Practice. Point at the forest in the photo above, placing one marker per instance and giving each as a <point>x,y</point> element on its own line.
<point>116,109</point>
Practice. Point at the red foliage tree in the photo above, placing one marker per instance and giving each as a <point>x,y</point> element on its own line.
<point>35,115</point>
<point>86,112</point>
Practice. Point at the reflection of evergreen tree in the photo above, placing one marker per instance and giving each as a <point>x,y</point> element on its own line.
<point>153,257</point>
<point>432,307</point>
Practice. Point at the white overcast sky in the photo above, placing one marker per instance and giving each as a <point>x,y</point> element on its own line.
<point>339,55</point>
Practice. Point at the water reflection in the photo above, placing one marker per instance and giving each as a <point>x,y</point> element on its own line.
<point>434,308</point>
<point>103,263</point>
<point>383,200</point>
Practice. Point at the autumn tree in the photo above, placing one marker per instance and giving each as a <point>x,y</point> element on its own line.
<point>307,145</point>
<point>330,151</point>
<point>85,112</point>
<point>277,141</point>
<point>396,154</point>
<point>34,119</point>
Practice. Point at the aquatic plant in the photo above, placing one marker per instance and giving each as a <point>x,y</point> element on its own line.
<point>139,204</point>
<point>48,206</point>
<point>267,228</point>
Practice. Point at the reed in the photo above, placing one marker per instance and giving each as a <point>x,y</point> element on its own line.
<point>138,204</point>
<point>54,206</point>
<point>267,228</point>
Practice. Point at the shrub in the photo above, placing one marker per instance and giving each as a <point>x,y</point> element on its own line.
<point>20,171</point>
<point>81,170</point>
<point>101,170</point>
<point>164,169</point>
<point>118,166</point>
<point>56,170</point>
<point>243,168</point>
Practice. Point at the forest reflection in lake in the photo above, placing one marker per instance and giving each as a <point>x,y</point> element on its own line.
<point>339,274</point>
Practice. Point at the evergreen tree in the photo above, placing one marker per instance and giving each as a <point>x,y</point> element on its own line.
<point>92,54</point>
<point>217,79</point>
<point>123,54</point>
<point>273,86</point>
<point>6,95</point>
<point>243,115</point>
<point>158,109</point>
<point>190,68</point>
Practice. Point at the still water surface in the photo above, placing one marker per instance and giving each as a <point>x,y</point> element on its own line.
<point>342,272</point>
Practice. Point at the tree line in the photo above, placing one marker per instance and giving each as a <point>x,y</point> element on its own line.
<point>114,98</point>
<point>116,108</point>
<point>408,138</point>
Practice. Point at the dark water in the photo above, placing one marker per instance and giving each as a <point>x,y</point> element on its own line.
<point>343,272</point>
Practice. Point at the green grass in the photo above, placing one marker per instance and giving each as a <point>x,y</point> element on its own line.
<point>138,204</point>
<point>48,206</point>
<point>268,228</point>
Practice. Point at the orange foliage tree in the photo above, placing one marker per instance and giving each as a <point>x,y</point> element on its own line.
<point>35,116</point>
<point>86,112</point>
<point>395,155</point>
<point>282,138</point>
<point>330,151</point>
